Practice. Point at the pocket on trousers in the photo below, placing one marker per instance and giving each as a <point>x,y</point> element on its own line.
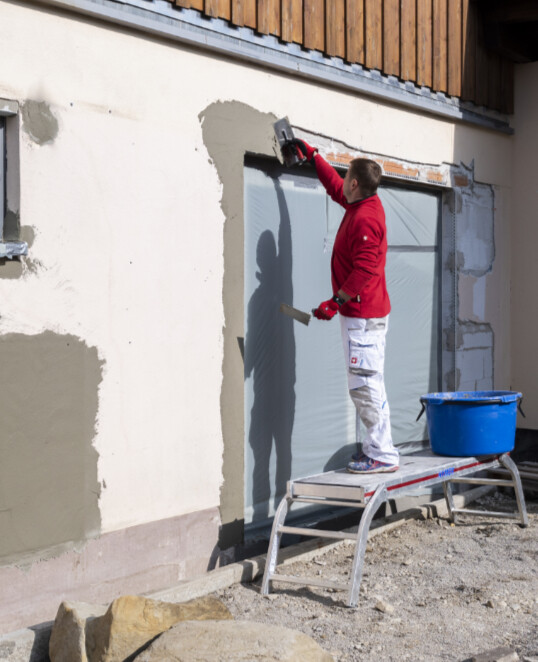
<point>365,356</point>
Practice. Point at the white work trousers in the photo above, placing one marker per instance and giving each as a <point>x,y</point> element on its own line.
<point>364,352</point>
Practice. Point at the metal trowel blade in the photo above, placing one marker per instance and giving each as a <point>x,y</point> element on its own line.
<point>298,315</point>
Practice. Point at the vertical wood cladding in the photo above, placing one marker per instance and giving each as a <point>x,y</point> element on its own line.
<point>438,44</point>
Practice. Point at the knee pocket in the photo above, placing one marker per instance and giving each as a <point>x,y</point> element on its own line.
<point>367,408</point>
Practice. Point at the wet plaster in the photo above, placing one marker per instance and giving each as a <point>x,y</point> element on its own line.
<point>49,489</point>
<point>231,130</point>
<point>38,122</point>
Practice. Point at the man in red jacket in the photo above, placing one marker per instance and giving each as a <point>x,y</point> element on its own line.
<point>360,296</point>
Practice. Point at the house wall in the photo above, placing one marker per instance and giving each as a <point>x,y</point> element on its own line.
<point>524,310</point>
<point>122,452</point>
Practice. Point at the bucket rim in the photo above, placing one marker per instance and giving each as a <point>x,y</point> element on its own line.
<point>471,397</point>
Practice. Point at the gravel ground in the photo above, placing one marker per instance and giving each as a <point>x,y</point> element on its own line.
<point>430,591</point>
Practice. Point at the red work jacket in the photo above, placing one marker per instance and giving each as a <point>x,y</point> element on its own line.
<point>360,249</point>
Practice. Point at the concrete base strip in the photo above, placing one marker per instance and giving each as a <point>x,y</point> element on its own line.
<point>31,644</point>
<point>249,570</point>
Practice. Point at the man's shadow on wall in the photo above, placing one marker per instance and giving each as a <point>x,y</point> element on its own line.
<point>270,358</point>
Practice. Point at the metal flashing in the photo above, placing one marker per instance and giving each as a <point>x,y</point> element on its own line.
<point>188,26</point>
<point>11,249</point>
<point>8,107</point>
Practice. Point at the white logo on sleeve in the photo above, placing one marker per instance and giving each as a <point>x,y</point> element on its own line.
<point>365,238</point>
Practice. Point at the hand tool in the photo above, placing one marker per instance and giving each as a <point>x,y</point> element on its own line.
<point>298,315</point>
<point>284,134</point>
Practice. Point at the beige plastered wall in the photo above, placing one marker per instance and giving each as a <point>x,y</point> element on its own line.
<point>524,317</point>
<point>130,176</point>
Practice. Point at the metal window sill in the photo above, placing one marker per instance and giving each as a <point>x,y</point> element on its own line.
<point>11,249</point>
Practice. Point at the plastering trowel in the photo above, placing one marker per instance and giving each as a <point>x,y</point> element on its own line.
<point>284,134</point>
<point>298,315</point>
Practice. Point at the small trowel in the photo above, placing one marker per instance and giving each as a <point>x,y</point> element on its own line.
<point>284,135</point>
<point>298,315</point>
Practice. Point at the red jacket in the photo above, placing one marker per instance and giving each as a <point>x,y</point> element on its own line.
<point>360,249</point>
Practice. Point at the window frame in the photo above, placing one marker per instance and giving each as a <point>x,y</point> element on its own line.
<point>9,148</point>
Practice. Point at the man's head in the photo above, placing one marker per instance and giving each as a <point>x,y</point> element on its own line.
<point>362,179</point>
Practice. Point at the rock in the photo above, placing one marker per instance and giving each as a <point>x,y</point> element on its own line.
<point>27,644</point>
<point>132,621</point>
<point>242,641</point>
<point>68,636</point>
<point>500,654</point>
<point>93,633</point>
<point>384,607</point>
<point>490,604</point>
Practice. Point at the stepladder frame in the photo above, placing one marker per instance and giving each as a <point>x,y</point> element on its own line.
<point>369,493</point>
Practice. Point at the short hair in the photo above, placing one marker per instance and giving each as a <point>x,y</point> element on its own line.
<point>368,173</point>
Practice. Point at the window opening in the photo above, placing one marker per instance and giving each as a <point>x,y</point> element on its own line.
<point>2,174</point>
<point>299,419</point>
<point>8,248</point>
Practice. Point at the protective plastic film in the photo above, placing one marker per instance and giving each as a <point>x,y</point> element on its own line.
<point>299,419</point>
<point>413,282</point>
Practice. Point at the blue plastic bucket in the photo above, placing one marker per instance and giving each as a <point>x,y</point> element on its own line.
<point>464,423</point>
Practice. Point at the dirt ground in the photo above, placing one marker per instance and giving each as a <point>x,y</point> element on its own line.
<point>430,591</point>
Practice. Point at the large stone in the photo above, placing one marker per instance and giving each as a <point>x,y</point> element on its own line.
<point>236,641</point>
<point>500,654</point>
<point>68,637</point>
<point>132,621</point>
<point>92,633</point>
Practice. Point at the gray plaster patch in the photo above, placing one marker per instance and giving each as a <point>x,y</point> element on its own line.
<point>48,473</point>
<point>39,122</point>
<point>231,130</point>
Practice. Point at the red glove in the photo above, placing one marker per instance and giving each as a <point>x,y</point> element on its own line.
<point>303,149</point>
<point>326,310</point>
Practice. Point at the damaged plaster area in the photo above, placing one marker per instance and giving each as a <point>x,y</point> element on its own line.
<point>475,230</point>
<point>475,352</point>
<point>49,489</point>
<point>38,122</point>
<point>475,250</point>
<point>230,130</point>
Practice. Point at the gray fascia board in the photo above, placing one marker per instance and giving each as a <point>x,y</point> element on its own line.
<point>161,19</point>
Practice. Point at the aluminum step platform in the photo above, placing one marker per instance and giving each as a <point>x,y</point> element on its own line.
<point>369,492</point>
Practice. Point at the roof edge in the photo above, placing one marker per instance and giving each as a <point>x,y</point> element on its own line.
<point>160,18</point>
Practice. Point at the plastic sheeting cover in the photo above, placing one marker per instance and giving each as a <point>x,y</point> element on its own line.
<point>299,419</point>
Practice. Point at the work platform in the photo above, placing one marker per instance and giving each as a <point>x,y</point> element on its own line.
<point>369,492</point>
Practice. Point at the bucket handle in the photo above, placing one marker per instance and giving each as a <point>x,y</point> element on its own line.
<point>421,411</point>
<point>519,407</point>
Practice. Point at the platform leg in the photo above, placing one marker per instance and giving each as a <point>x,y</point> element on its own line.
<point>449,497</point>
<point>380,495</point>
<point>274,542</point>
<point>509,464</point>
